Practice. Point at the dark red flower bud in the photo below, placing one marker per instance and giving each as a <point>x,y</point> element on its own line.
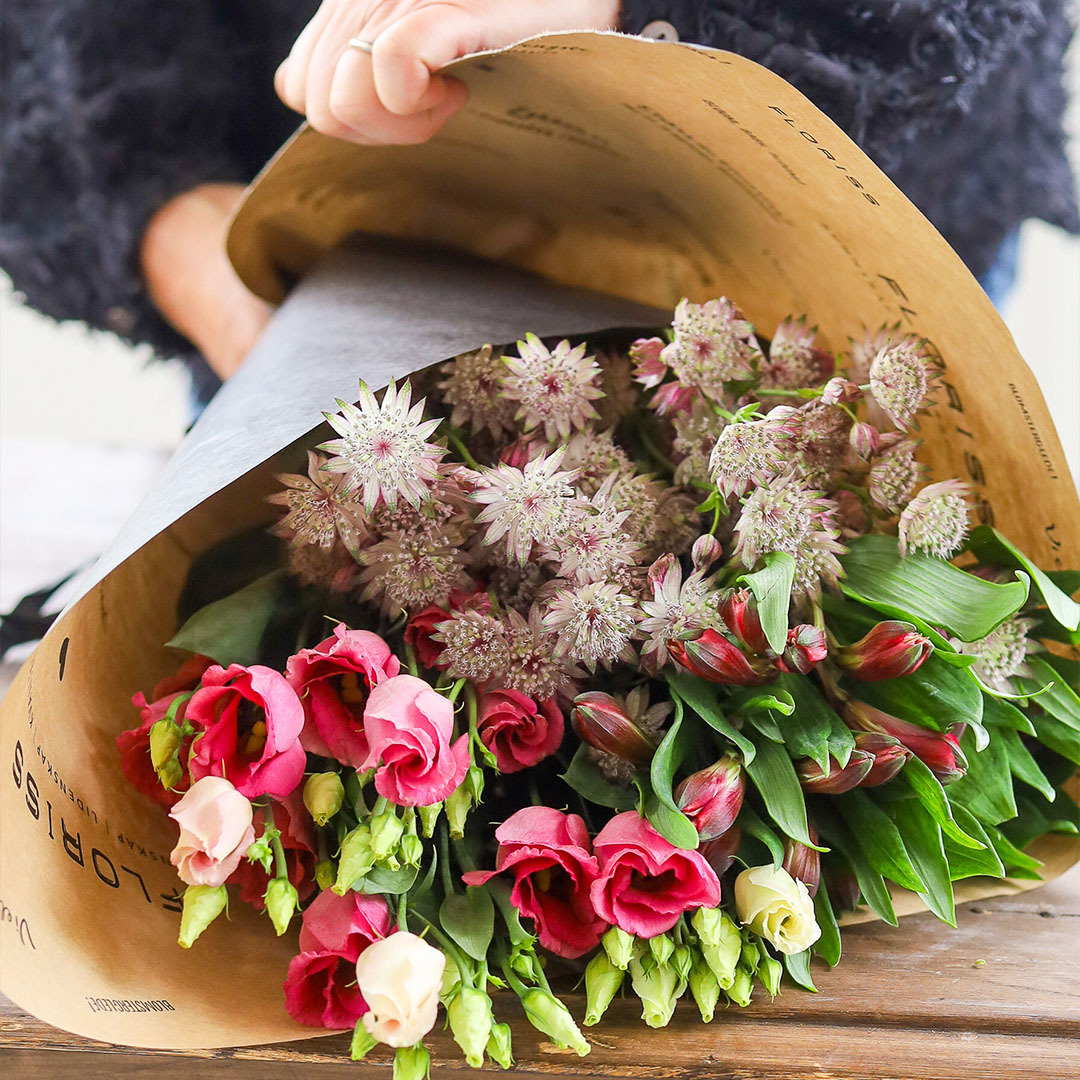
<point>720,853</point>
<point>889,650</point>
<point>712,798</point>
<point>843,888</point>
<point>673,397</point>
<point>739,611</point>
<point>713,658</point>
<point>940,752</point>
<point>805,649</point>
<point>603,723</point>
<point>889,754</point>
<point>839,778</point>
<point>521,451</point>
<point>802,862</point>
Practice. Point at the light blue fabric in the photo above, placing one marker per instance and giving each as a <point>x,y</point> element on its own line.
<point>1000,278</point>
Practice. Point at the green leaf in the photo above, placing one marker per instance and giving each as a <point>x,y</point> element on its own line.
<point>992,549</point>
<point>1022,765</point>
<point>1033,819</point>
<point>469,919</point>
<point>1066,667</point>
<point>871,883</point>
<point>828,945</point>
<point>1060,701</point>
<point>388,882</point>
<point>774,776</point>
<point>923,841</point>
<point>931,794</point>
<point>999,713</point>
<point>1018,863</point>
<point>748,698</point>
<point>813,730</point>
<point>987,789</point>
<point>702,698</point>
<point>1059,737</point>
<point>880,839</point>
<point>771,586</point>
<point>585,777</point>
<point>663,814</point>
<point>229,630</point>
<point>927,591</point>
<point>763,722</point>
<point>751,824</point>
<point>798,967</point>
<point>964,862</point>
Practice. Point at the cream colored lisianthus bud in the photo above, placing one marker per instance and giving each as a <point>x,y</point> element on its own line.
<point>777,907</point>
<point>400,977</point>
<point>323,795</point>
<point>215,831</point>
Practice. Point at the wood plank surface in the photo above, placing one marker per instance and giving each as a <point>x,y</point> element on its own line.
<point>908,1003</point>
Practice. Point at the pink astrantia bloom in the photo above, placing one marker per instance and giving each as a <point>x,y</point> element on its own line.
<point>899,376</point>
<point>596,457</point>
<point>519,731</point>
<point>471,386</point>
<point>713,344</point>
<point>318,510</point>
<point>555,388</point>
<point>333,681</point>
<point>409,571</point>
<point>596,543</point>
<point>554,869</point>
<point>794,360</point>
<point>215,832</point>
<point>475,645</point>
<point>409,727</point>
<point>696,433</point>
<point>248,723</point>
<point>1002,654</point>
<point>649,369</point>
<point>645,883</point>
<point>753,452</point>
<point>936,520</point>
<point>677,609</point>
<point>536,666</point>
<point>384,449</point>
<point>893,476</point>
<point>592,623</point>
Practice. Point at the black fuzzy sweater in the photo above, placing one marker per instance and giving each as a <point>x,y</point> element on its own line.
<point>109,107</point>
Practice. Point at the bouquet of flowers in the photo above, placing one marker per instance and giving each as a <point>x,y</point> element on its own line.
<point>636,661</point>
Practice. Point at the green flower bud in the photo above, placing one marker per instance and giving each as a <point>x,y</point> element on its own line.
<point>356,859</point>
<point>457,805</point>
<point>619,946</point>
<point>470,1019</point>
<point>412,1063</point>
<point>659,987</point>
<point>386,833</point>
<point>769,971</point>
<point>325,872</point>
<point>704,988</point>
<point>323,795</point>
<point>429,816</point>
<point>602,982</point>
<point>170,774</point>
<point>363,1042</point>
<point>682,960</point>
<point>721,943</point>
<point>281,902</point>
<point>548,1014</point>
<point>751,955</point>
<point>165,740</point>
<point>499,1047</point>
<point>474,781</point>
<point>202,905</point>
<point>451,980</point>
<point>524,962</point>
<point>742,986</point>
<point>661,947</point>
<point>411,849</point>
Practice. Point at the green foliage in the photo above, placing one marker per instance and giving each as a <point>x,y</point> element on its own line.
<point>771,586</point>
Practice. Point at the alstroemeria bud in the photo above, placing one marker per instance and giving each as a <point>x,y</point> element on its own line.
<point>323,795</point>
<point>661,948</point>
<point>521,451</point>
<point>941,753</point>
<point>720,942</point>
<point>720,853</point>
<point>659,988</point>
<point>889,754</point>
<point>469,1016</point>
<point>165,740</point>
<point>499,1047</point>
<point>839,778</point>
<point>864,439</point>
<point>599,720</point>
<point>888,651</point>
<point>356,859</point>
<point>602,982</point>
<point>739,611</point>
<point>412,1063</point>
<point>741,988</point>
<point>202,905</point>
<point>713,658</point>
<point>281,902</point>
<point>649,369</point>
<point>712,797</point>
<point>548,1014</point>
<point>704,988</point>
<point>838,391</point>
<point>803,863</point>
<point>806,648</point>
<point>386,832</point>
<point>619,946</point>
<point>769,972</point>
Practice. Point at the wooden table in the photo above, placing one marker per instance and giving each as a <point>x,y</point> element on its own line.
<point>997,999</point>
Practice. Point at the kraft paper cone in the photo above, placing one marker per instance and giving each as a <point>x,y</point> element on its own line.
<point>649,171</point>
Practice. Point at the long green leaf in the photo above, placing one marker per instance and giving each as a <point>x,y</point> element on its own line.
<point>585,777</point>
<point>1060,701</point>
<point>798,967</point>
<point>926,590</point>
<point>828,945</point>
<point>774,775</point>
<point>923,841</point>
<point>470,920</point>
<point>871,883</point>
<point>753,826</point>
<point>771,586</point>
<point>880,839</point>
<point>1022,765</point>
<point>1059,737</point>
<point>987,789</point>
<point>1000,713</point>
<point>813,729</point>
<point>966,862</point>
<point>931,794</point>
<point>703,699</point>
<point>1018,863</point>
<point>663,814</point>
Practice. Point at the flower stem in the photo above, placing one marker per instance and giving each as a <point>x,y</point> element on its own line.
<point>281,868</point>
<point>654,451</point>
<point>458,444</point>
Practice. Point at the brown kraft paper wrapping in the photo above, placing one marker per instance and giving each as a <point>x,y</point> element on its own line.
<point>645,170</point>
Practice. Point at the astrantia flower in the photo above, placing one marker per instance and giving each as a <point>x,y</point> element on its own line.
<point>595,544</point>
<point>384,450</point>
<point>936,520</point>
<point>649,369</point>
<point>526,506</point>
<point>476,646</point>
<point>472,387</point>
<point>409,571</point>
<point>893,477</point>
<point>788,516</point>
<point>617,384</point>
<point>794,360</point>
<point>535,666</point>
<point>677,608</point>
<point>713,344</point>
<point>554,389</point>
<point>592,623</point>
<point>823,445</point>
<point>317,511</point>
<point>696,433</point>
<point>751,453</point>
<point>595,455</point>
<point>899,377</point>
<point>1002,654</point>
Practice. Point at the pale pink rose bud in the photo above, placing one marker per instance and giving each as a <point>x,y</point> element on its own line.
<point>803,863</point>
<point>865,439</point>
<point>603,723</point>
<point>215,831</point>
<point>806,648</point>
<point>889,650</point>
<point>839,391</point>
<point>705,552</point>
<point>712,797</point>
<point>649,369</point>
<point>739,611</point>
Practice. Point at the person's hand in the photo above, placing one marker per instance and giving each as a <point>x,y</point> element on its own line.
<point>191,281</point>
<point>392,94</point>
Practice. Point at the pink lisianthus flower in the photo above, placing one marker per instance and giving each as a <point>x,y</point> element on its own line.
<point>554,868</point>
<point>409,727</point>
<point>645,883</point>
<point>333,681</point>
<point>215,831</point>
<point>248,723</point>
<point>320,988</point>
<point>518,730</point>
